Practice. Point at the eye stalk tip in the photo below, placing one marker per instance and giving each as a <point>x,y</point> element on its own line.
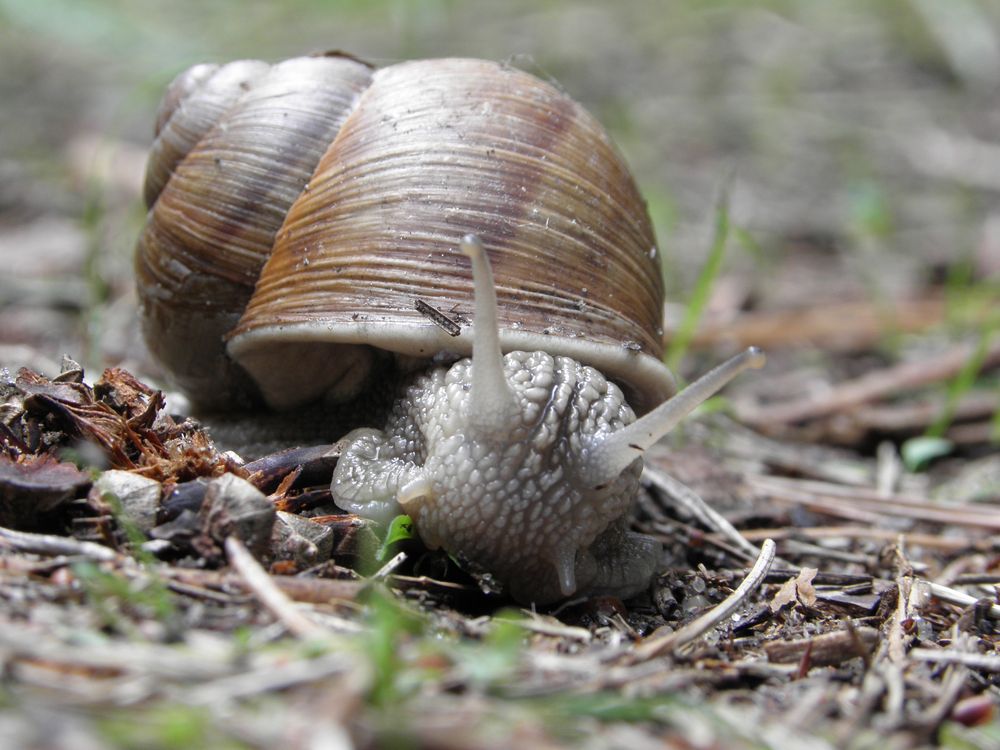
<point>623,446</point>
<point>471,246</point>
<point>755,357</point>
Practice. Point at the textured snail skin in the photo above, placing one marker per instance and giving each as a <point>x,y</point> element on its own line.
<point>513,501</point>
<point>490,459</point>
<point>524,465</point>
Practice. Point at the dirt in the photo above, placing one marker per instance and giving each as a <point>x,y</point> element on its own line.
<point>853,148</point>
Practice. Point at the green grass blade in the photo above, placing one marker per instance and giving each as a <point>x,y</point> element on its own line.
<point>962,383</point>
<point>702,288</point>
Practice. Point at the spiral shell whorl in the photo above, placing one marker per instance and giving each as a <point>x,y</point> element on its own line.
<point>259,132</point>
<point>436,149</point>
<point>193,104</point>
<point>363,182</point>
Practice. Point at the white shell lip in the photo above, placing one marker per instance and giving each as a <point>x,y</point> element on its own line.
<point>290,370</point>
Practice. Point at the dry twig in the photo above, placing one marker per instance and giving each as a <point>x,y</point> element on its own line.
<point>954,596</point>
<point>48,544</point>
<point>870,387</point>
<point>272,597</point>
<point>657,645</point>
<point>931,541</point>
<point>826,649</point>
<point>689,501</point>
<point>985,662</point>
<point>840,327</point>
<point>862,503</point>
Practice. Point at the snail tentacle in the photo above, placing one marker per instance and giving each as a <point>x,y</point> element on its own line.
<point>612,453</point>
<point>492,406</point>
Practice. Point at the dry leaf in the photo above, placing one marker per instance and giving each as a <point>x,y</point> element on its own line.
<point>796,590</point>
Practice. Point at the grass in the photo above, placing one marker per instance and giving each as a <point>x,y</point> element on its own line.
<point>701,293</point>
<point>166,727</point>
<point>391,628</point>
<point>962,383</point>
<point>119,600</point>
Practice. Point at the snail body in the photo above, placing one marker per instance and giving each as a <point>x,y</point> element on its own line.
<point>523,465</point>
<point>297,213</point>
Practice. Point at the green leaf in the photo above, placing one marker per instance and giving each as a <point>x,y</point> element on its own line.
<point>920,451</point>
<point>400,530</point>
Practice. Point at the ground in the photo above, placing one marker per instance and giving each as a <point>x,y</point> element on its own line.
<point>823,181</point>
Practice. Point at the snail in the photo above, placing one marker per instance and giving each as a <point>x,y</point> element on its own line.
<point>298,211</point>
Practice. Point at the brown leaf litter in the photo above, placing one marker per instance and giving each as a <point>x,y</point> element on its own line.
<point>868,605</point>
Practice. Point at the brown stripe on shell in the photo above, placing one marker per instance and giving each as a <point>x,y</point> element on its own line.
<point>213,224</point>
<point>225,201</point>
<point>437,149</point>
<point>195,101</point>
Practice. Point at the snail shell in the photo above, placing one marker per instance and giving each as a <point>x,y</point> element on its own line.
<point>298,211</point>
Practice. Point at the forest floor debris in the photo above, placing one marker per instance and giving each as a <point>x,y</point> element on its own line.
<point>218,600</point>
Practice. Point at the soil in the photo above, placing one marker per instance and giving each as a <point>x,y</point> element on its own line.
<point>845,156</point>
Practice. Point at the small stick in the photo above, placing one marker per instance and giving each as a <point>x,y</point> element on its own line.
<point>49,544</point>
<point>954,596</point>
<point>655,646</point>
<point>686,498</point>
<point>897,639</point>
<point>985,662</point>
<point>532,623</point>
<point>873,386</point>
<point>260,583</point>
<point>855,502</point>
<point>390,566</point>
<point>306,590</point>
<point>861,532</point>
<point>972,579</point>
<point>837,327</point>
<point>954,683</point>
<point>918,415</point>
<point>827,649</point>
<point>437,317</point>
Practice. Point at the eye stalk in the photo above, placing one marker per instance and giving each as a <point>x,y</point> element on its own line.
<point>613,453</point>
<point>493,407</point>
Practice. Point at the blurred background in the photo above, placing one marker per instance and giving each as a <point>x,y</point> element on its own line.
<point>858,144</point>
